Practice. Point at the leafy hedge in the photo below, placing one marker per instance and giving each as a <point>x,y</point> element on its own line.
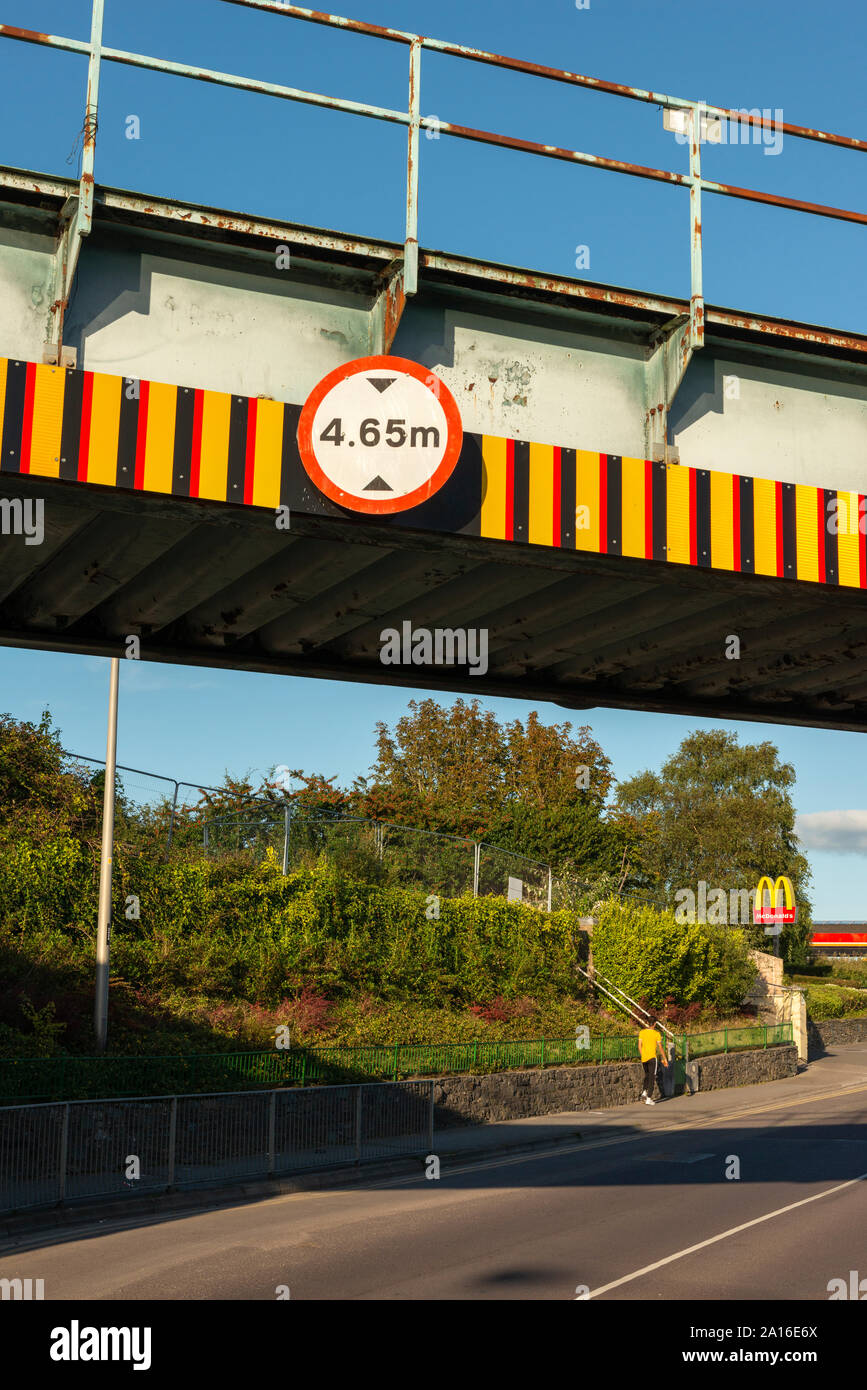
<point>832,1001</point>
<point>224,951</point>
<point>653,956</point>
<point>226,932</point>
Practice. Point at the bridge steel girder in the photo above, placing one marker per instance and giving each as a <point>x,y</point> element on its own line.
<point>556,380</point>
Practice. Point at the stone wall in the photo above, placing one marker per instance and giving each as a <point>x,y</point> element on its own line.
<point>518,1095</point>
<point>745,1068</point>
<point>828,1032</point>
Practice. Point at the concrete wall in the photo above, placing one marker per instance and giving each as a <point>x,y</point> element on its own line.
<point>776,1002</point>
<point>770,970</point>
<point>516,1095</point>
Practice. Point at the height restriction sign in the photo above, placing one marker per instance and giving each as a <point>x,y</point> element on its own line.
<point>380,435</point>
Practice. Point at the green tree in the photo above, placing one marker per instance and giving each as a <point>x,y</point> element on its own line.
<point>720,812</point>
<point>533,788</point>
<point>40,794</point>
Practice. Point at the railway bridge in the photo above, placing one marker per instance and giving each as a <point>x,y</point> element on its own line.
<point>641,501</point>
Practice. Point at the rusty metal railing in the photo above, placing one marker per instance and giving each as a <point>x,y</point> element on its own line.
<point>693,115</point>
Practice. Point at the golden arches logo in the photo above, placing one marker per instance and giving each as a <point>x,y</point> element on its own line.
<point>773,914</point>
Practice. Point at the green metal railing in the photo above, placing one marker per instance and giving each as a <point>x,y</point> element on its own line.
<point>732,1039</point>
<point>31,1079</point>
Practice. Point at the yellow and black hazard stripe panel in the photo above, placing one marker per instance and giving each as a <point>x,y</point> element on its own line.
<point>613,505</point>
<point>147,436</point>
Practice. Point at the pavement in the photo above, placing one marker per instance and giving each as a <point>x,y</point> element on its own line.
<point>754,1193</point>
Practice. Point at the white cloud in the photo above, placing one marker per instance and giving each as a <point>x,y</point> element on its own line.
<point>840,832</point>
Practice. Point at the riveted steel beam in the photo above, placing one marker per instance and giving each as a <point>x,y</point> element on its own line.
<point>76,217</point>
<point>672,347</point>
<point>388,308</point>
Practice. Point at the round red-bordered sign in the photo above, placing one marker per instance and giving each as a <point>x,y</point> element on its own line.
<point>380,435</point>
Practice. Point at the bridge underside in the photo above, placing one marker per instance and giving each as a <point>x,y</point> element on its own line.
<point>218,585</point>
<point>162,442</point>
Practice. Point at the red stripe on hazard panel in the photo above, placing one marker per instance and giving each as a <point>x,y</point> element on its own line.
<point>141,436</point>
<point>196,454</point>
<point>250,456</point>
<point>84,430</point>
<point>510,490</point>
<point>27,417</point>
<point>820,529</point>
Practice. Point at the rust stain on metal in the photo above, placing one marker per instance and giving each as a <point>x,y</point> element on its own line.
<point>753,195</point>
<point>395,303</point>
<point>333,21</point>
<point>11,31</point>
<point>802,132</point>
<point>476,55</point>
<point>782,329</point>
<point>596,161</point>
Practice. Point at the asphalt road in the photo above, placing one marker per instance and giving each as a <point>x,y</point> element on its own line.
<point>617,1214</point>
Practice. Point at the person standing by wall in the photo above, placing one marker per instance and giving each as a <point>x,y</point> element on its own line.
<point>649,1045</point>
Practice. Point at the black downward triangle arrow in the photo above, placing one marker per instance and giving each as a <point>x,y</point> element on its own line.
<point>382,383</point>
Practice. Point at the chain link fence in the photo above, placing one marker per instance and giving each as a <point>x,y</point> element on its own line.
<point>159,813</point>
<point>449,865</point>
<point>163,815</point>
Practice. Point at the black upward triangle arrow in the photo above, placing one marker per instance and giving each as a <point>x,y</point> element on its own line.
<point>378,484</point>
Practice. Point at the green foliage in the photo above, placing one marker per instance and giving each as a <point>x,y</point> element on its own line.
<point>223,951</point>
<point>652,956</point>
<point>519,786</point>
<point>723,813</point>
<point>209,933</point>
<point>834,1001</point>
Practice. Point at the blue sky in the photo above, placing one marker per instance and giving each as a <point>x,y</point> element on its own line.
<point>235,150</point>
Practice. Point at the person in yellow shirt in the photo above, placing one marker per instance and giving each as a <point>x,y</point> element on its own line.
<point>649,1044</point>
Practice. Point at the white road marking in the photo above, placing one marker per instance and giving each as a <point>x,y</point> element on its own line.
<point>703,1244</point>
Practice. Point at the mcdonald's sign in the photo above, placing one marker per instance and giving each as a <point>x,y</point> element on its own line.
<point>773,914</point>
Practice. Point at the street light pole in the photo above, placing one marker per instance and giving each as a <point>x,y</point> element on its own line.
<point>103,931</point>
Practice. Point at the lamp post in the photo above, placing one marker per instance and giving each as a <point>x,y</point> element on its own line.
<point>103,930</point>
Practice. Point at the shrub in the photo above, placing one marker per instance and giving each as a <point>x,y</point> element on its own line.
<point>648,953</point>
<point>310,1012</point>
<point>830,1001</point>
<point>502,1010</point>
